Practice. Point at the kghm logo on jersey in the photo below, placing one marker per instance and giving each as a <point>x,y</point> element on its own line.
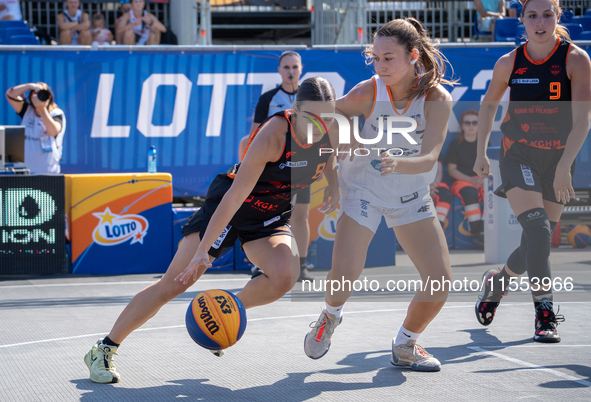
<point>114,229</point>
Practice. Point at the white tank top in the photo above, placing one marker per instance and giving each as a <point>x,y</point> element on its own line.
<point>143,30</point>
<point>360,178</point>
<point>76,18</point>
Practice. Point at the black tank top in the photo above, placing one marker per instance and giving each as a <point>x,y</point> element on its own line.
<point>539,112</point>
<point>297,168</point>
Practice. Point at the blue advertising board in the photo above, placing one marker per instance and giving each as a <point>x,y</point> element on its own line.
<point>195,105</point>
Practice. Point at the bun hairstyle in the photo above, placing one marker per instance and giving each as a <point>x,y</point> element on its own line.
<point>290,53</point>
<point>560,30</point>
<point>430,66</point>
<point>316,89</point>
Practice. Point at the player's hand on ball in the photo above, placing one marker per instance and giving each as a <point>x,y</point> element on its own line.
<point>388,164</point>
<point>563,188</point>
<point>482,166</point>
<point>201,259</point>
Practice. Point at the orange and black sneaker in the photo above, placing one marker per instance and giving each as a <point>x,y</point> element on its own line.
<point>546,323</point>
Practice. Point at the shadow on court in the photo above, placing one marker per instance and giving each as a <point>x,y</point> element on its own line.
<point>293,388</point>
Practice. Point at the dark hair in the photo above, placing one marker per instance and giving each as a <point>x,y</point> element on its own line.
<point>290,53</point>
<point>430,66</point>
<point>560,30</point>
<point>315,89</point>
<point>98,17</point>
<point>466,113</point>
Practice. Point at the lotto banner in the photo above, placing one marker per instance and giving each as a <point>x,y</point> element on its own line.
<point>196,104</point>
<point>120,223</point>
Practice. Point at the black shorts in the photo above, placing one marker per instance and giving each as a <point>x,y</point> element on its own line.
<point>304,196</point>
<point>199,220</point>
<point>530,169</point>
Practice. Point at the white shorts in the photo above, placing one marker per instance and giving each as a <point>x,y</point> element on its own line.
<point>370,215</point>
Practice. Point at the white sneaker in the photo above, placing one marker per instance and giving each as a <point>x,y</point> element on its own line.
<point>414,356</point>
<point>317,341</point>
<point>99,361</point>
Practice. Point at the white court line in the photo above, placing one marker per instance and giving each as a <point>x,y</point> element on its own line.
<point>181,326</point>
<point>114,283</point>
<point>538,346</point>
<point>533,366</point>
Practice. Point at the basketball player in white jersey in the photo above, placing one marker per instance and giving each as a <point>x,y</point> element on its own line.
<point>409,71</point>
<point>74,25</point>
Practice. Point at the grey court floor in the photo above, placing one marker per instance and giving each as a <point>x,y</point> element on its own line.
<point>48,324</point>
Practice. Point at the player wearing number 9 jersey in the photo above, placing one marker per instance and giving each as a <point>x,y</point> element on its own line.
<point>545,126</point>
<point>251,202</point>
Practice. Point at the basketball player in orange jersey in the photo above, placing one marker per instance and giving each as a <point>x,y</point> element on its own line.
<point>545,126</point>
<point>250,202</point>
<point>409,71</point>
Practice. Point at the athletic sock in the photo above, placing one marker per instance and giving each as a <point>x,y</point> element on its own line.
<point>108,341</point>
<point>404,335</point>
<point>501,282</point>
<point>336,311</point>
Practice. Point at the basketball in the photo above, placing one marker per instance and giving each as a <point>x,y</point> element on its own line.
<point>216,319</point>
<point>579,236</point>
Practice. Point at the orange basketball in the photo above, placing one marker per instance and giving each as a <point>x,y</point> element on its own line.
<point>216,319</point>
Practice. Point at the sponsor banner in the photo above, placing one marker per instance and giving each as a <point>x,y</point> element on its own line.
<point>120,223</point>
<point>32,225</point>
<point>195,106</point>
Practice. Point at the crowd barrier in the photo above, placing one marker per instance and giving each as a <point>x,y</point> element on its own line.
<point>195,104</point>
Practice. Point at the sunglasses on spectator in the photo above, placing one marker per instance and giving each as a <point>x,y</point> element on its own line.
<point>471,123</point>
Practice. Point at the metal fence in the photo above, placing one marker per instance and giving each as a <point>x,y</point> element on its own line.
<point>43,14</point>
<point>332,22</point>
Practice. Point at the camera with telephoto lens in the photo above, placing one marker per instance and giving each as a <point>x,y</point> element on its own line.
<point>43,95</point>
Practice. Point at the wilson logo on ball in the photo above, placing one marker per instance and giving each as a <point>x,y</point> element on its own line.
<point>211,325</point>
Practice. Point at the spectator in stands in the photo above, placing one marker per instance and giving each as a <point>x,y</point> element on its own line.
<point>460,159</point>
<point>10,10</point>
<point>44,123</point>
<point>440,193</point>
<point>124,9</point>
<point>487,12</point>
<point>515,9</point>
<point>100,34</point>
<point>139,27</point>
<point>74,25</point>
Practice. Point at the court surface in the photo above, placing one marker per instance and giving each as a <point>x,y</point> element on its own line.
<point>48,324</point>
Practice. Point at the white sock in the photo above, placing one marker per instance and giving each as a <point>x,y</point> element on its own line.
<point>404,335</point>
<point>336,311</point>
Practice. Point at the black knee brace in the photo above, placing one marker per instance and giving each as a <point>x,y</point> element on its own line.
<point>538,238</point>
<point>516,261</point>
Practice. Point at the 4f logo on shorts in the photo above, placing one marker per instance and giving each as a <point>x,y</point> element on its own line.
<point>528,178</point>
<point>424,208</point>
<point>220,239</point>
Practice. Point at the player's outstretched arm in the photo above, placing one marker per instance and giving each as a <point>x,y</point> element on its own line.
<point>267,146</point>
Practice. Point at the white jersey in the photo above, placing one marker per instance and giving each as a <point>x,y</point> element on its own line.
<point>74,18</point>
<point>360,179</point>
<point>37,160</point>
<point>13,8</point>
<point>142,30</point>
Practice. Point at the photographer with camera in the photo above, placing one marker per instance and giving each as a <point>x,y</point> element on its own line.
<point>44,123</point>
